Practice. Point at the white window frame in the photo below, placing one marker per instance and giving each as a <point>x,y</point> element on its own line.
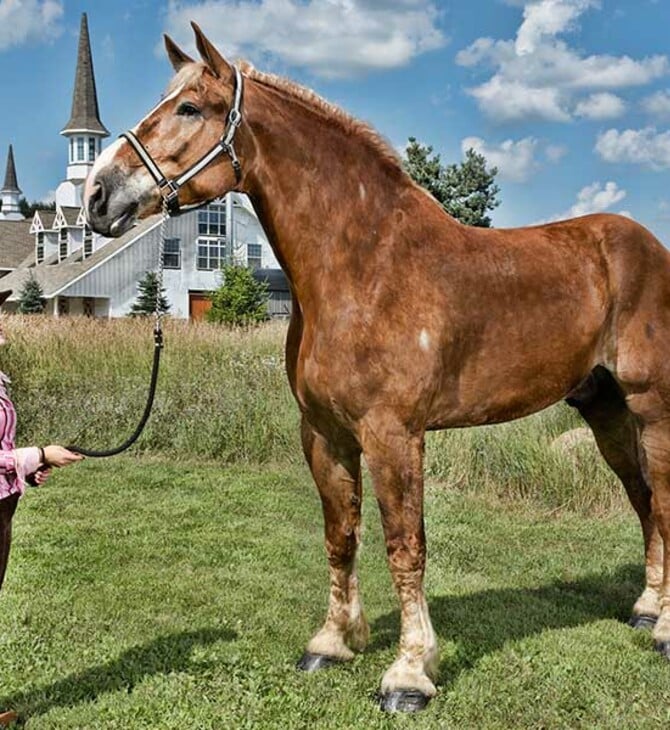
<point>176,253</point>
<point>88,242</point>
<point>212,262</point>
<point>206,221</point>
<point>39,247</point>
<point>63,241</point>
<point>255,262</point>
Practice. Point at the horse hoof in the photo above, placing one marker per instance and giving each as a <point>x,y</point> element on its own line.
<point>309,662</point>
<point>663,647</point>
<point>642,621</point>
<point>403,700</point>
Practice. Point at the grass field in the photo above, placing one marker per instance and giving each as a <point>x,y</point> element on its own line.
<point>147,593</point>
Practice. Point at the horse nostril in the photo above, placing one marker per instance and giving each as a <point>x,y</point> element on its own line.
<point>97,201</point>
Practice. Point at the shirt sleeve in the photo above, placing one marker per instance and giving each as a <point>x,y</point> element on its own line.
<point>27,460</point>
<point>8,462</point>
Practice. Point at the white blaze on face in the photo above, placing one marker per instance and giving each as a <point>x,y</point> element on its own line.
<point>104,159</point>
<point>107,155</point>
<point>164,100</point>
<point>424,340</point>
<point>361,191</point>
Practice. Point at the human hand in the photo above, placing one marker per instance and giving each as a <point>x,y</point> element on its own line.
<point>59,456</point>
<point>40,476</point>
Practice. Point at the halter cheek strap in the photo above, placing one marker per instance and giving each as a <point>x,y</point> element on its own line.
<point>169,188</point>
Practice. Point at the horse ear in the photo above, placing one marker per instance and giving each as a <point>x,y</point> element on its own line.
<point>214,60</point>
<point>177,57</point>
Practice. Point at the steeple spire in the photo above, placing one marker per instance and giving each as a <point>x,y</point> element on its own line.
<point>11,184</point>
<point>84,131</point>
<point>85,115</point>
<point>10,192</point>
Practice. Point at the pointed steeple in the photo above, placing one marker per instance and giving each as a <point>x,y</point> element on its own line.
<point>85,115</point>
<point>84,131</point>
<point>10,193</point>
<point>11,184</point>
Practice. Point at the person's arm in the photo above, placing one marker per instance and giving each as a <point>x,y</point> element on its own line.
<point>28,460</point>
<point>19,463</point>
<point>25,462</point>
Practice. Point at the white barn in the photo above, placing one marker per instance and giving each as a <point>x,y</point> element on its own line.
<point>81,272</point>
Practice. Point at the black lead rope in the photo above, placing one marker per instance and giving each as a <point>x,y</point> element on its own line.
<point>158,346</point>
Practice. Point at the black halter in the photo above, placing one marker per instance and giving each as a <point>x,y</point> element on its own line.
<point>169,188</point>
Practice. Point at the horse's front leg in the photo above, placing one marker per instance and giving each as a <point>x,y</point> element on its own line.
<point>395,460</point>
<point>335,466</point>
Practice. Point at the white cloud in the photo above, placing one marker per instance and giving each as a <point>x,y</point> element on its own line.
<point>515,160</point>
<point>555,152</point>
<point>547,18</point>
<point>638,146</point>
<point>29,20</point>
<point>658,104</point>
<point>594,198</point>
<point>601,106</point>
<point>509,100</point>
<point>334,38</point>
<point>538,75</point>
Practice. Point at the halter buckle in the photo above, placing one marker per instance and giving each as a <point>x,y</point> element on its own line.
<point>235,117</point>
<point>170,192</point>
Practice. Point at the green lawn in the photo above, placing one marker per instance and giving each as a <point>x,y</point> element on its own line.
<point>148,594</point>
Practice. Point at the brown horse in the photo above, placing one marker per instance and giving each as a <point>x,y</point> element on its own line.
<point>405,320</point>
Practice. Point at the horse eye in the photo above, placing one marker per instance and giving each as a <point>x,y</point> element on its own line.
<point>186,109</point>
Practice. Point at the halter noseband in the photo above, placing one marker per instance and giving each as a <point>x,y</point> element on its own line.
<point>169,188</point>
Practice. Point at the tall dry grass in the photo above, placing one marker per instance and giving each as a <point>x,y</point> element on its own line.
<point>223,394</point>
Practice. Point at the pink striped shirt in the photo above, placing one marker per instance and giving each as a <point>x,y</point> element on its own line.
<point>14,463</point>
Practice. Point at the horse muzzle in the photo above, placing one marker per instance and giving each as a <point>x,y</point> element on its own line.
<point>108,210</point>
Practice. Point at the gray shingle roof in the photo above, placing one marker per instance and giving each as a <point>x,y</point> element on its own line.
<point>71,213</point>
<point>274,278</point>
<point>16,243</point>
<point>47,217</point>
<point>54,277</point>
<point>85,114</point>
<point>10,173</point>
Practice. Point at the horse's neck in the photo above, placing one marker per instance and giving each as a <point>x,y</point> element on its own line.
<point>316,188</point>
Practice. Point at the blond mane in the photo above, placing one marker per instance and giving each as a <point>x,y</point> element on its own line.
<point>319,104</point>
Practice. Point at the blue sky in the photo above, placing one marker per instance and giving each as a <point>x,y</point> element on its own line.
<point>569,98</point>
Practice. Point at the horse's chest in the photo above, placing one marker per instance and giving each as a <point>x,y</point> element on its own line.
<point>328,384</point>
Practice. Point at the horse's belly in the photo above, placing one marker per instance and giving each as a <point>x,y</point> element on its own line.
<point>513,373</point>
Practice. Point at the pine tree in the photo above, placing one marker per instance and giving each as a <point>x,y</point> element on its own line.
<point>31,296</point>
<point>240,300</point>
<point>145,304</point>
<point>466,190</point>
<point>28,209</point>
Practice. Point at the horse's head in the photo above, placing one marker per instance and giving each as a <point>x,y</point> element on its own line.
<point>186,124</point>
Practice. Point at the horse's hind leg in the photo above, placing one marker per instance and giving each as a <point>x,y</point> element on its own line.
<point>650,402</point>
<point>655,442</point>
<point>602,404</point>
<point>336,470</point>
